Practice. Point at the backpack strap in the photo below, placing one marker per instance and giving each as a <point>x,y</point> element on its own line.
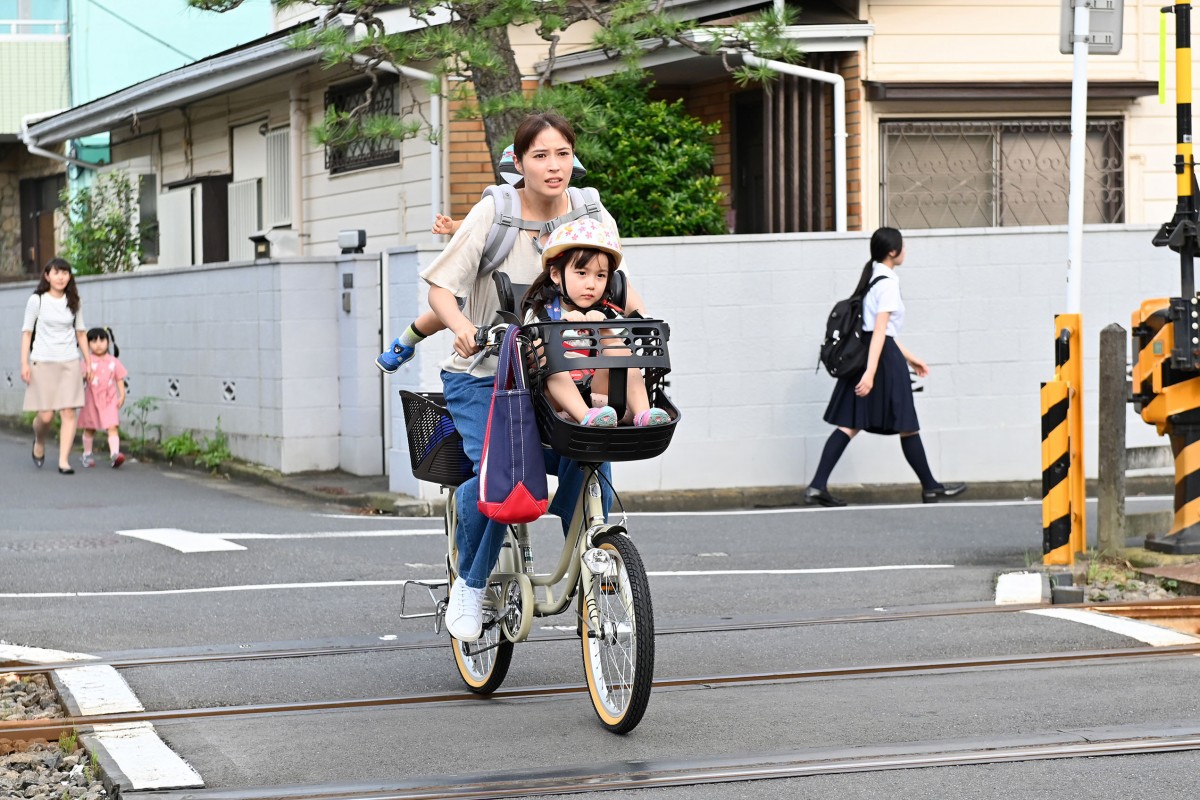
<point>871,285</point>
<point>505,227</point>
<point>508,222</point>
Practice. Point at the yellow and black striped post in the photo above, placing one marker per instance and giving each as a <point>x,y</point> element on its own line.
<point>1056,467</point>
<point>1064,530</point>
<point>1166,374</point>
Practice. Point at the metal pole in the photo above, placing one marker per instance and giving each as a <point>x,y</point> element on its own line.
<point>1078,151</point>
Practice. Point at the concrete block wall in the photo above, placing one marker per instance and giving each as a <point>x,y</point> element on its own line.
<point>262,346</point>
<point>747,314</point>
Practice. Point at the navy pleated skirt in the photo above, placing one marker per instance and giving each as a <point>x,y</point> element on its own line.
<point>888,409</point>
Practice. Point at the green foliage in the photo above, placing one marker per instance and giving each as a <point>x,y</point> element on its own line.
<point>68,742</point>
<point>215,450</point>
<point>651,161</point>
<point>101,235</point>
<point>474,46</point>
<point>139,415</point>
<point>184,444</point>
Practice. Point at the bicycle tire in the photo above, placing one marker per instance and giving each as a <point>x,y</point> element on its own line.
<point>484,672</point>
<point>620,668</point>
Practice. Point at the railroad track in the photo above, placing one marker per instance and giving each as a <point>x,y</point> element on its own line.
<point>625,776</point>
<point>52,729</point>
<point>1142,609</point>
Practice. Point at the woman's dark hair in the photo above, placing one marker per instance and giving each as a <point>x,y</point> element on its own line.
<point>95,334</point>
<point>71,291</point>
<point>534,124</point>
<point>543,290</point>
<point>884,242</point>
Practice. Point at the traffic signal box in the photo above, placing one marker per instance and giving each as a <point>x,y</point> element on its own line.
<point>1166,392</point>
<point>1063,521</point>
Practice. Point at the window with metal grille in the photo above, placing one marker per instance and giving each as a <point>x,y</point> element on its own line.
<point>997,173</point>
<point>362,153</point>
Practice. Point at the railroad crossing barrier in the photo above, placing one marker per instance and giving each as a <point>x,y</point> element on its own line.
<point>1063,511</point>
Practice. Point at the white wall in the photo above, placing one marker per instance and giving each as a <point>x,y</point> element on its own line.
<point>266,347</point>
<point>747,314</point>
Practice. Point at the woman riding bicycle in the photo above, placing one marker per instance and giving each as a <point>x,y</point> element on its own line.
<point>544,147</point>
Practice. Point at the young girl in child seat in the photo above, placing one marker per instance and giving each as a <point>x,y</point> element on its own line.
<point>103,399</point>
<point>576,262</point>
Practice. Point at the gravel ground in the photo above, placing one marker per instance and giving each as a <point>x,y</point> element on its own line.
<point>41,770</point>
<point>1122,589</point>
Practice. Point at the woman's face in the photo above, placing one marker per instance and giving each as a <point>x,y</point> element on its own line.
<point>898,258</point>
<point>547,164</point>
<point>58,279</point>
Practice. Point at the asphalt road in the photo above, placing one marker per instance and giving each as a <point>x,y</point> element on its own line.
<point>70,581</point>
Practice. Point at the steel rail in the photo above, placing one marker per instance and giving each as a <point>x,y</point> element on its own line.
<point>625,776</point>
<point>47,729</point>
<point>722,626</point>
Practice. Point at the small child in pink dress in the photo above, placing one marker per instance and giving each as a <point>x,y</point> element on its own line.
<point>104,397</point>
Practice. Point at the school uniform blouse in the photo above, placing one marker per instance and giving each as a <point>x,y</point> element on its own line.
<point>884,296</point>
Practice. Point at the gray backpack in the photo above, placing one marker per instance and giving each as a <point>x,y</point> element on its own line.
<point>508,222</point>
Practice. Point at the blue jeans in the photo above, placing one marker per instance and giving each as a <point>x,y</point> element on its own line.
<point>479,539</point>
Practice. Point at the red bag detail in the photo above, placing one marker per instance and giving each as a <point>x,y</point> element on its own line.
<point>512,470</point>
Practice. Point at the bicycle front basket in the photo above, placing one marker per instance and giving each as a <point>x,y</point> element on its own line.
<point>434,444</point>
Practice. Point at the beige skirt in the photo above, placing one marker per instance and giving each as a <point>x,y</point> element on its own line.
<point>54,385</point>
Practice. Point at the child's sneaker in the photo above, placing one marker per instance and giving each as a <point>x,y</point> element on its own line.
<point>391,360</point>
<point>117,460</point>
<point>600,418</point>
<point>651,416</point>
<point>87,460</point>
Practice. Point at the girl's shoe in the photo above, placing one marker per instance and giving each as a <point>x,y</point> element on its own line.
<point>87,460</point>
<point>600,418</point>
<point>651,416</point>
<point>117,460</point>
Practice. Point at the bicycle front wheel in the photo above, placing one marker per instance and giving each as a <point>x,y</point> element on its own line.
<point>618,658</point>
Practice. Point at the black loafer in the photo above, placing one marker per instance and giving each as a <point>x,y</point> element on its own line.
<point>949,490</point>
<point>821,497</point>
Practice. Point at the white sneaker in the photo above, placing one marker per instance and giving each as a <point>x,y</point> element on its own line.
<point>464,612</point>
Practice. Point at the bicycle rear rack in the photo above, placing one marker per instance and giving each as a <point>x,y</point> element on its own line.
<point>428,585</point>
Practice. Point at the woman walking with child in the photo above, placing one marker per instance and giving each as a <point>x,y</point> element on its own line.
<point>52,338</point>
<point>104,397</point>
<point>880,400</point>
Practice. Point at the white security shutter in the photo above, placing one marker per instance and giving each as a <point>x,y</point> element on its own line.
<point>243,219</point>
<point>277,186</point>
<point>175,228</point>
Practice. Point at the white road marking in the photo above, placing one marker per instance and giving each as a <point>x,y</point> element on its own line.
<point>264,587</point>
<point>38,655</point>
<point>331,534</point>
<point>99,690</point>
<point>142,757</point>
<point>852,508</point>
<point>820,571</point>
<point>183,541</point>
<point>1152,635</point>
<point>193,542</point>
<point>1019,588</point>
<point>132,753</point>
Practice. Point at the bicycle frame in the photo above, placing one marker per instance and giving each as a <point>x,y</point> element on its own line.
<point>515,567</point>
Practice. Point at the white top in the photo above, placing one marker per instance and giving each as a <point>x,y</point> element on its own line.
<point>56,326</point>
<point>884,296</point>
<point>457,269</point>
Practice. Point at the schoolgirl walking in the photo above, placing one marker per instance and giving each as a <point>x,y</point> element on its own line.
<point>880,400</point>
<point>104,397</point>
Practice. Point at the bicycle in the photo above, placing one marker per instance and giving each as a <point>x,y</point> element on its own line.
<point>599,563</point>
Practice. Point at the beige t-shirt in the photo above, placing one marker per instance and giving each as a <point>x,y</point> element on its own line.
<point>457,269</point>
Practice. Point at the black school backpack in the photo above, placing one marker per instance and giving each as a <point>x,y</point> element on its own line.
<point>844,350</point>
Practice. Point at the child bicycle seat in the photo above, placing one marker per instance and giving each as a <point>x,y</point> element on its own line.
<point>630,344</point>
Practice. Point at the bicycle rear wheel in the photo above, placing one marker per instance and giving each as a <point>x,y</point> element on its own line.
<point>618,659</point>
<point>483,664</point>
